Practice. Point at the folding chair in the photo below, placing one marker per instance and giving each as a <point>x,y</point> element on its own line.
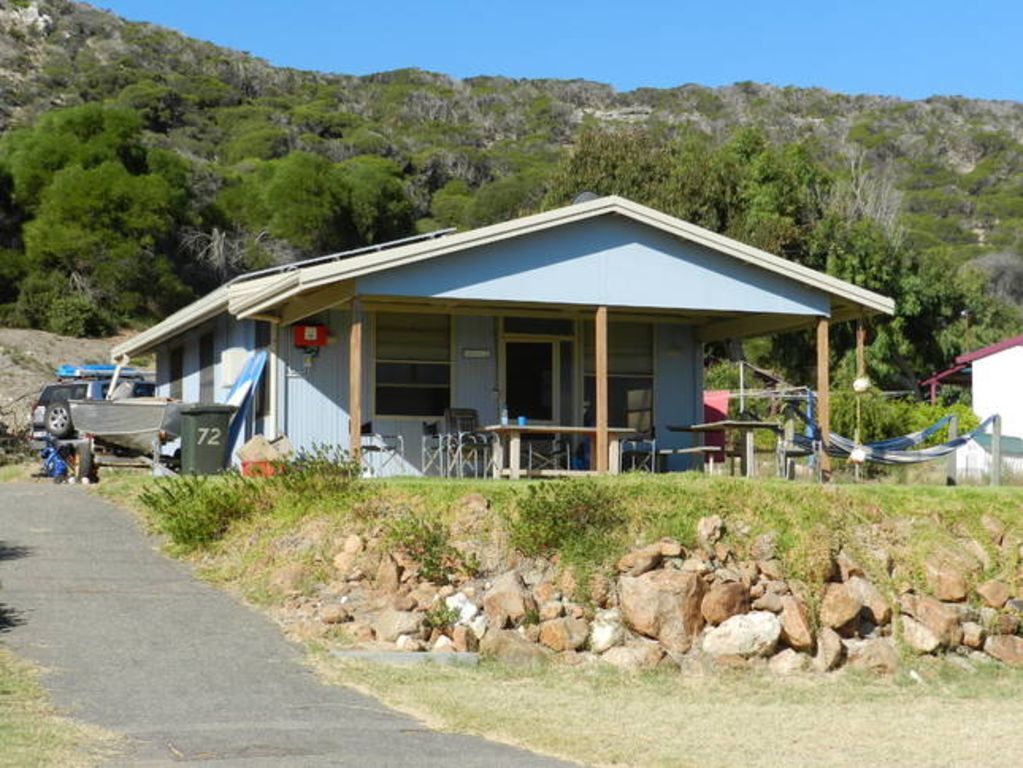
<point>380,451</point>
<point>638,454</point>
<point>548,454</point>
<point>467,450</point>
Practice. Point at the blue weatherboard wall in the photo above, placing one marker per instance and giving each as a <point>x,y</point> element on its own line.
<point>678,388</point>
<point>314,399</point>
<point>609,260</point>
<point>227,332</point>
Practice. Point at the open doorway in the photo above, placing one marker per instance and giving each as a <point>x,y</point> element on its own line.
<point>529,379</point>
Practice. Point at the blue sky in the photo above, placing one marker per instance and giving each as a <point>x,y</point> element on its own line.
<point>908,48</point>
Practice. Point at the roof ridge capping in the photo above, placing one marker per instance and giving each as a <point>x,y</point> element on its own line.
<point>990,349</point>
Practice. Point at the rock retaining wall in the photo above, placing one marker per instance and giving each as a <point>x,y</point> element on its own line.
<point>670,604</point>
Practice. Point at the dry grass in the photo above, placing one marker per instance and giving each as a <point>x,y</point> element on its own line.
<point>32,733</point>
<point>14,473</point>
<point>598,716</point>
<point>601,717</point>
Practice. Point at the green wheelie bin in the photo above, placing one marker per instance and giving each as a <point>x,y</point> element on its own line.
<point>204,432</point>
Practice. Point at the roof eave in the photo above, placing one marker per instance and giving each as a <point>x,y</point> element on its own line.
<point>199,311</point>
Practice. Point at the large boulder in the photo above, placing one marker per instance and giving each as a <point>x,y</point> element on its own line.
<point>639,561</point>
<point>724,601</point>
<point>708,531</point>
<point>788,662</point>
<point>796,631</point>
<point>995,594</point>
<point>509,647</point>
<point>840,607</point>
<point>388,575</point>
<point>973,635</point>
<point>942,620</point>
<point>1006,648</point>
<point>564,634</point>
<point>606,631</point>
<point>876,655</point>
<point>945,579</point>
<point>830,651</point>
<point>745,635</point>
<point>664,605</point>
<point>639,654</point>
<point>390,624</point>
<point>507,600</point>
<point>918,637</point>
<point>874,605</point>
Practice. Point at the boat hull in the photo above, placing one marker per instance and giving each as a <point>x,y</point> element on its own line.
<point>133,424</point>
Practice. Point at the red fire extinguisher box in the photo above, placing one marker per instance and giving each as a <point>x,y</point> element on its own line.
<point>310,335</point>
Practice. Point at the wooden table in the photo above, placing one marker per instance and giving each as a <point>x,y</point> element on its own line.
<point>512,434</point>
<point>743,426</point>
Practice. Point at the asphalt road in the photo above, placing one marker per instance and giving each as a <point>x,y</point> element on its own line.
<point>134,644</point>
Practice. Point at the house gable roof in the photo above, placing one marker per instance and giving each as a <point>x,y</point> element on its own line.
<point>262,294</point>
<point>990,349</point>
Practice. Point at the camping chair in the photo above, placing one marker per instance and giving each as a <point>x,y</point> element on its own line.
<point>548,454</point>
<point>638,454</point>
<point>467,450</point>
<point>380,451</point>
<point>434,450</point>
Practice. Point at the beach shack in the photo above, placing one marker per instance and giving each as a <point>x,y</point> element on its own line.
<point>583,324</point>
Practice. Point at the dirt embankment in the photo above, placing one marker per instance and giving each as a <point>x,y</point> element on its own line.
<point>27,362</point>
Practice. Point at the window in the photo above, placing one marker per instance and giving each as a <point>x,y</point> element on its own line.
<point>413,364</point>
<point>264,335</point>
<point>206,394</point>
<point>177,372</point>
<point>630,365</point>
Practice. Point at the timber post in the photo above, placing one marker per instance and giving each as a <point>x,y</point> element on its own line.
<point>600,369</point>
<point>823,399</point>
<point>355,383</point>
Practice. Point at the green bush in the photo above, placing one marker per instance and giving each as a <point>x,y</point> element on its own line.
<point>196,511</point>
<point>882,417</point>
<point>320,472</point>
<point>425,539</point>
<point>578,519</point>
<point>78,316</point>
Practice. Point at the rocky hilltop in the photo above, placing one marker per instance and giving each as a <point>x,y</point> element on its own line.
<point>955,160</point>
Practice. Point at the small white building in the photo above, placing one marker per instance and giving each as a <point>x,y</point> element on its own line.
<point>995,376</point>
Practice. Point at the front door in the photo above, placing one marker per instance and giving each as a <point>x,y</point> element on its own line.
<point>530,380</point>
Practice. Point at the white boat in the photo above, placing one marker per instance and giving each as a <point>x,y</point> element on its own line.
<point>135,423</point>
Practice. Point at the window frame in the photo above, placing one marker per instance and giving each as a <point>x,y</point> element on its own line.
<point>176,364</point>
<point>207,367</point>
<point>448,364</point>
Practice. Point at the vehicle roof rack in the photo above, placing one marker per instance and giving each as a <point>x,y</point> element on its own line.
<point>95,371</point>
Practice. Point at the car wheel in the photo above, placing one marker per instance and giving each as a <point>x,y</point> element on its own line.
<point>58,419</point>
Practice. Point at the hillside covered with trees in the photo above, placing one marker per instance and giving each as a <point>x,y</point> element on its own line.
<point>139,168</point>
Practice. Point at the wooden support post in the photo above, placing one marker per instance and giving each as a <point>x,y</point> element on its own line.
<point>950,462</point>
<point>600,368</point>
<point>861,343</point>
<point>823,399</point>
<point>996,451</point>
<point>272,390</point>
<point>355,383</point>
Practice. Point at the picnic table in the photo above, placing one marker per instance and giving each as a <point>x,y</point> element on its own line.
<point>745,427</point>
<point>509,444</point>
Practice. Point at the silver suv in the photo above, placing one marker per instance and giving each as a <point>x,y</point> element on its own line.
<point>52,414</point>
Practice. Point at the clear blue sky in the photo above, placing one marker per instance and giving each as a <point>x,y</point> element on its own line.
<point>908,48</point>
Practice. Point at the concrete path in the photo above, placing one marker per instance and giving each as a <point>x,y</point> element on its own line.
<point>137,646</point>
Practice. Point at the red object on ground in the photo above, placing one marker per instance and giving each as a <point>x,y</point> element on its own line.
<point>258,469</point>
<point>715,408</point>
